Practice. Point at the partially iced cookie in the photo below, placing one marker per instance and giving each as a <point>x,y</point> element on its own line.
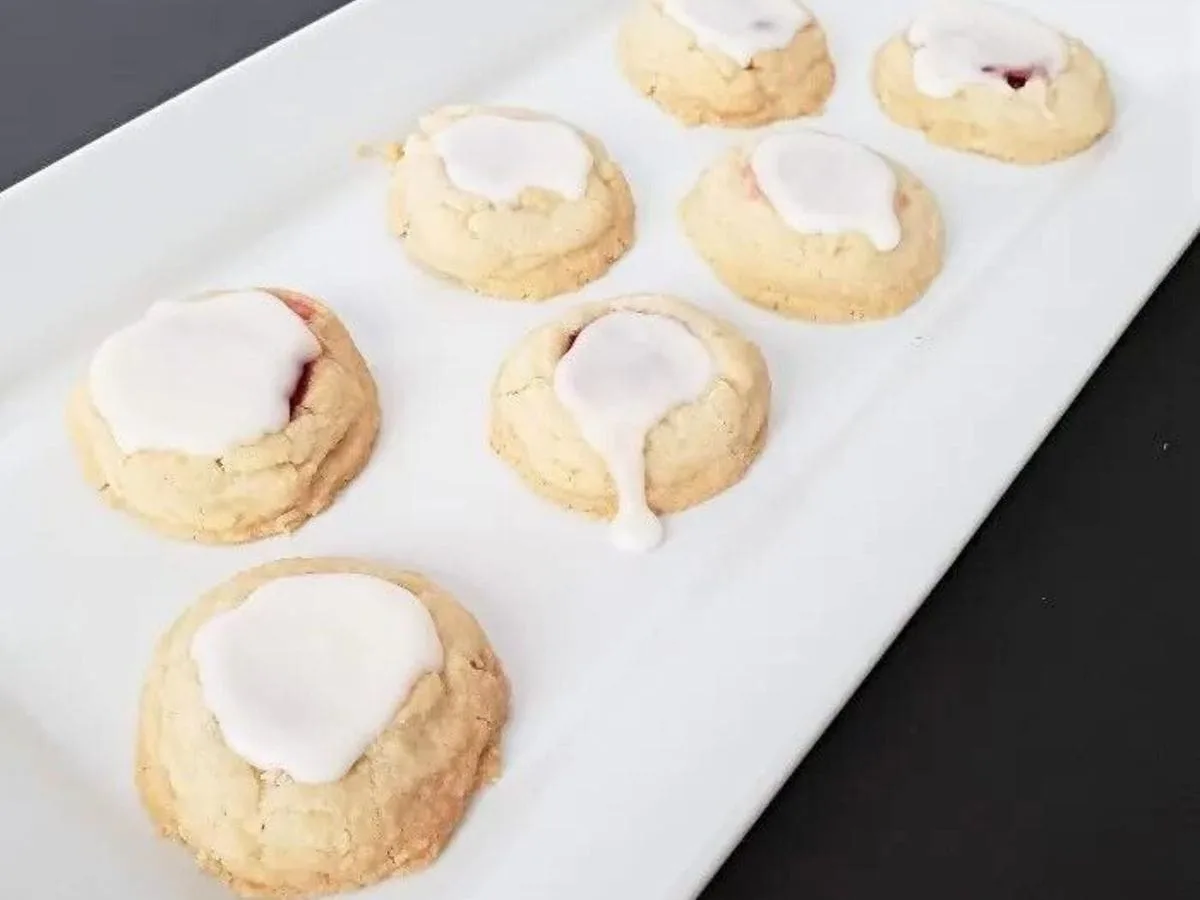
<point>737,63</point>
<point>816,226</point>
<point>227,417</point>
<point>993,80</point>
<point>510,203</point>
<point>632,408</point>
<point>317,725</point>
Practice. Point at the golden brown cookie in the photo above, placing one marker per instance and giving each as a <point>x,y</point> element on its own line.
<point>540,245</point>
<point>268,487</point>
<point>697,450</point>
<point>1020,115</point>
<point>701,85</point>
<point>267,835</point>
<point>822,277</point>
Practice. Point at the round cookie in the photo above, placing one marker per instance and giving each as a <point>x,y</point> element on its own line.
<point>266,833</point>
<point>690,447</point>
<point>729,62</point>
<point>509,203</point>
<point>858,238</point>
<point>984,79</point>
<point>270,485</point>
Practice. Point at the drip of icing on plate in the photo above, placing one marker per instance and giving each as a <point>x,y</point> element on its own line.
<point>623,374</point>
<point>958,43</point>
<point>820,184</point>
<point>740,29</point>
<point>310,669</point>
<point>497,157</point>
<point>202,376</point>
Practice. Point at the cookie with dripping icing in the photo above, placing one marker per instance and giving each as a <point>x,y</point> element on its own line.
<point>337,799</point>
<point>228,417</point>
<point>992,80</point>
<point>816,227</point>
<point>640,394</point>
<point>509,203</point>
<point>735,63</point>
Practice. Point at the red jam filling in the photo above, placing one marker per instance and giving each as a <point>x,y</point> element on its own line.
<point>750,184</point>
<point>301,388</point>
<point>1015,78</point>
<point>305,311</point>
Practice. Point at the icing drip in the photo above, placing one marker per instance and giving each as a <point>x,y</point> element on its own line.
<point>497,157</point>
<point>957,44</point>
<point>820,184</point>
<point>740,29</point>
<point>623,374</point>
<point>308,671</point>
<point>202,376</point>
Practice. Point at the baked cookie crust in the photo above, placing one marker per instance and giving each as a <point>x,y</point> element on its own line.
<point>1040,123</point>
<point>268,836</point>
<point>818,277</point>
<point>697,86</point>
<point>695,452</point>
<point>269,487</point>
<point>542,246</point>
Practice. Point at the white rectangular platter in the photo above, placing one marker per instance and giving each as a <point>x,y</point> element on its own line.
<point>659,700</point>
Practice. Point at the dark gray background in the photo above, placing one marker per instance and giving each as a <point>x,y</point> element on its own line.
<point>1033,732</point>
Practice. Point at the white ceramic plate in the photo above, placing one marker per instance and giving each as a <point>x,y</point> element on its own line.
<point>659,700</point>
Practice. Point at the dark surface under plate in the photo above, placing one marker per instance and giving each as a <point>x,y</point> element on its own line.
<point>1033,733</point>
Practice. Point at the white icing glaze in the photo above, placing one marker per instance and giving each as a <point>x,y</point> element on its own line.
<point>821,184</point>
<point>957,43</point>
<point>201,376</point>
<point>623,374</point>
<point>310,669</point>
<point>497,157</point>
<point>740,28</point>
